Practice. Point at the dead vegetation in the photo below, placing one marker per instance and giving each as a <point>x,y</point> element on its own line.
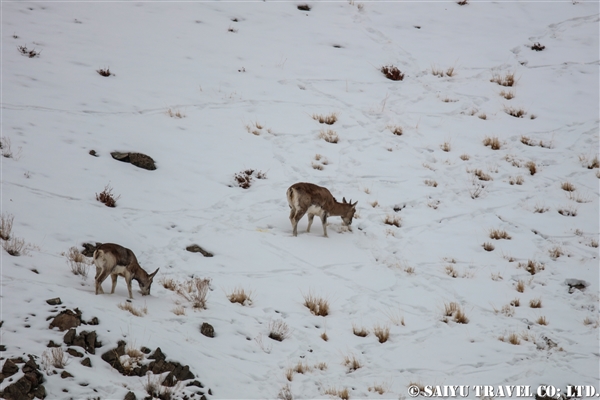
<point>445,147</point>
<point>533,267</point>
<point>138,312</point>
<point>104,72</point>
<point>175,113</point>
<point>6,224</point>
<point>507,94</point>
<point>326,119</point>
<point>431,182</point>
<point>382,332</point>
<point>520,286</point>
<point>535,303</point>
<point>380,388</point>
<point>542,320</point>
<point>532,167</point>
<point>507,79</point>
<point>240,296</point>
<point>515,112</point>
<point>567,186</point>
<point>440,72</point>
<point>343,394</point>
<point>516,180</point>
<point>17,247</point>
<point>555,252</point>
<point>487,246</point>
<point>28,53</point>
<point>352,362</point>
<point>317,305</point>
<point>245,179</point>
<point>54,357</point>
<point>453,311</point>
<point>392,72</point>
<point>498,234</point>
<point>511,338</point>
<point>493,142</point>
<point>568,211</point>
<point>78,262</point>
<point>465,157</point>
<point>393,220</point>
<point>482,176</point>
<point>279,330</point>
<point>195,290</point>
<point>107,197</point>
<point>329,135</point>
<point>395,129</point>
<point>359,331</point>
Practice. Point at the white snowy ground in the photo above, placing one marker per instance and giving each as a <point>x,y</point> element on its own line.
<point>278,66</point>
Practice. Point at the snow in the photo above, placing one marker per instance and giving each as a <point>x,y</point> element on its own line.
<point>278,67</point>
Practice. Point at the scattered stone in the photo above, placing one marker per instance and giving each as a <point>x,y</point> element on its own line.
<point>8,369</point>
<point>28,386</point>
<point>54,302</point>
<point>65,375</point>
<point>112,356</point>
<point>88,249</point>
<point>130,396</point>
<point>207,330</point>
<point>576,284</point>
<point>138,159</point>
<point>93,321</point>
<point>86,340</point>
<point>86,362</point>
<point>196,383</point>
<point>74,353</point>
<point>2,347</point>
<point>52,344</point>
<point>66,319</point>
<point>93,153</point>
<point>158,355</point>
<point>145,350</point>
<point>194,248</point>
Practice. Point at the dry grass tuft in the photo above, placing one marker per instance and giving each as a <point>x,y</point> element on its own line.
<point>515,112</point>
<point>138,312</point>
<point>107,197</point>
<point>240,296</point>
<point>520,286</point>
<point>499,234</point>
<point>330,136</point>
<point>531,166</point>
<point>535,303</point>
<point>487,246</point>
<point>542,320</point>
<point>395,129</point>
<point>279,330</point>
<point>322,366</point>
<point>352,362</point>
<point>104,72</point>
<point>179,310</point>
<point>445,146</point>
<point>16,247</point>
<point>6,224</point>
<point>393,220</point>
<point>392,72</point>
<point>517,180</point>
<point>593,243</point>
<point>497,277</point>
<point>175,113</point>
<point>465,157</point>
<point>450,271</point>
<point>507,94</point>
<point>568,211</point>
<point>324,336</point>
<point>78,262</point>
<point>362,332</point>
<point>169,284</point>
<point>382,333</point>
<point>515,302</point>
<point>317,166</point>
<point>567,186</point>
<point>453,310</point>
<point>341,393</point>
<point>326,119</point>
<point>555,252</point>
<point>512,338</point>
<point>482,116</point>
<point>507,80</point>
<point>591,322</point>
<point>285,393</point>
<point>301,368</point>
<point>379,388</point>
<point>493,142</point>
<point>317,305</point>
<point>482,176</point>
<point>532,267</point>
<point>195,290</point>
<point>540,209</point>
<point>54,357</point>
<point>431,182</point>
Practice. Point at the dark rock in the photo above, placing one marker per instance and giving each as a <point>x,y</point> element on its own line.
<point>65,375</point>
<point>138,159</point>
<point>88,249</point>
<point>40,392</point>
<point>79,341</point>
<point>2,347</point>
<point>130,396</point>
<point>207,330</point>
<point>170,380</point>
<point>28,386</point>
<point>86,362</point>
<point>66,319</point>
<point>203,397</point>
<point>93,153</point>
<point>52,344</point>
<point>90,342</point>
<point>112,356</point>
<point>69,337</point>
<point>30,366</point>
<point>576,284</point>
<point>209,392</point>
<point>93,321</point>
<point>184,374</point>
<point>194,248</point>
<point>54,302</point>
<point>9,368</point>
<point>157,355</point>
<point>18,360</point>
<point>196,383</point>
<point>145,350</point>
<point>74,353</point>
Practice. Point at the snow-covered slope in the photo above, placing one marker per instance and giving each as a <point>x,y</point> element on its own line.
<point>228,67</point>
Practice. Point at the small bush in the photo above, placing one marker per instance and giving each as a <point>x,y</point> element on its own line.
<point>393,220</point>
<point>512,338</point>
<point>16,247</point>
<point>195,290</point>
<point>6,224</point>
<point>104,72</point>
<point>493,142</point>
<point>285,393</point>
<point>542,320</point>
<point>507,80</point>
<point>78,262</point>
<point>498,234</point>
<point>450,271</point>
<point>540,209</point>
<point>169,284</point>
<point>279,330</point>
<point>326,119</point>
<point>532,167</point>
<point>244,179</point>
<point>329,136</point>
<point>567,186</point>
<point>352,363</point>
<point>382,333</point>
<point>379,388</point>
<point>532,267</point>
<point>392,72</point>
<point>54,357</point>
<point>453,310</point>
<point>508,95</point>
<point>341,393</point>
<point>138,312</point>
<point>107,197</point>
<point>520,286</point>
<point>535,303</point>
<point>482,176</point>
<point>28,53</point>
<point>515,112</point>
<point>555,252</point>
<point>361,332</point>
<point>318,306</point>
<point>240,296</point>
